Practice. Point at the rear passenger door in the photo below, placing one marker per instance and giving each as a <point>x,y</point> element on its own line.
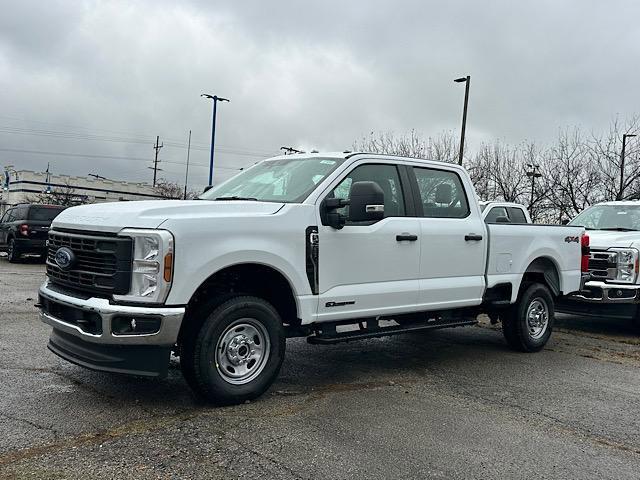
<point>452,238</point>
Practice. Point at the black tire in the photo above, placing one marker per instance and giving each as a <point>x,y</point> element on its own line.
<point>210,372</point>
<point>523,333</point>
<point>635,322</point>
<point>13,254</point>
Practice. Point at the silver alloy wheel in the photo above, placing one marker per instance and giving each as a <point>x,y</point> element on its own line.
<point>537,318</point>
<point>242,351</point>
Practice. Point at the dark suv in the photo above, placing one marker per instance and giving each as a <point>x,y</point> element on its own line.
<point>24,229</point>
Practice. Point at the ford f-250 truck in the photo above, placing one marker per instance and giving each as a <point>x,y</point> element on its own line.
<point>614,287</point>
<point>332,247</point>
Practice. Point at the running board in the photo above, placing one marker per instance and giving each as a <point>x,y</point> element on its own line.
<point>321,338</point>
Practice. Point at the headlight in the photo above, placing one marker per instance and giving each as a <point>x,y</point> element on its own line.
<point>152,269</point>
<point>627,264</point>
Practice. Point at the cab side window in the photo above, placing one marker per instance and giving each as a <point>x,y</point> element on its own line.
<point>516,215</point>
<point>495,213</point>
<point>441,193</point>
<point>387,178</point>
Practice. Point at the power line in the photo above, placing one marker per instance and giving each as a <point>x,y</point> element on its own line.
<point>125,139</point>
<point>108,157</point>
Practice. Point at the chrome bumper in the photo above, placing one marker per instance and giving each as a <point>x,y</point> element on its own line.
<point>170,320</point>
<point>601,292</point>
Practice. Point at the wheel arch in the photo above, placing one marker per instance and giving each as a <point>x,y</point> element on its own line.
<point>245,278</point>
<point>543,270</point>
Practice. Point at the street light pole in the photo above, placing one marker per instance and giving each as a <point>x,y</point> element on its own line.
<point>533,174</point>
<point>622,155</point>
<point>215,99</point>
<point>467,81</point>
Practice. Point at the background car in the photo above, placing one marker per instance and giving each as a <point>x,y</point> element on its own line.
<point>24,229</point>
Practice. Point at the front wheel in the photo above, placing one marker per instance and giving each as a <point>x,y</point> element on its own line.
<point>527,325</point>
<point>237,352</point>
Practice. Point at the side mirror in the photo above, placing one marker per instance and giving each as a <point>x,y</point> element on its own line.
<point>329,215</point>
<point>207,188</point>
<point>367,202</point>
<point>502,220</point>
<point>565,221</point>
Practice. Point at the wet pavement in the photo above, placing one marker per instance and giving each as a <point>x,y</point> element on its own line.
<point>443,404</point>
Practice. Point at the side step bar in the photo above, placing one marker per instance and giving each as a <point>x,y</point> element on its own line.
<point>330,336</point>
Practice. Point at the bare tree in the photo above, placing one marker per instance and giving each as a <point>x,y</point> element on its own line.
<point>442,148</point>
<point>606,153</point>
<point>170,190</point>
<point>64,195</point>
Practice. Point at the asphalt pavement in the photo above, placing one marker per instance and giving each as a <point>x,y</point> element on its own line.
<point>443,404</point>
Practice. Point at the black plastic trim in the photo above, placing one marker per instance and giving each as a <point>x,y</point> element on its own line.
<point>142,360</point>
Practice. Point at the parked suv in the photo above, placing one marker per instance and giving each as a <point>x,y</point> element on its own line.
<point>24,229</point>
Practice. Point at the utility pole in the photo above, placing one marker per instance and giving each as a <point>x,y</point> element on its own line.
<point>215,99</point>
<point>620,195</point>
<point>157,148</point>
<point>467,81</point>
<point>186,174</point>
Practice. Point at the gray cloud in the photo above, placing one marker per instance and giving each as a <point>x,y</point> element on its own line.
<point>318,74</point>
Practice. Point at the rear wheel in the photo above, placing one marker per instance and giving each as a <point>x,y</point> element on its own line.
<point>12,251</point>
<point>527,325</point>
<point>236,353</point>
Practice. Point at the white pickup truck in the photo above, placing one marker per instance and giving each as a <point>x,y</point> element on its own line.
<point>332,247</point>
<point>614,287</point>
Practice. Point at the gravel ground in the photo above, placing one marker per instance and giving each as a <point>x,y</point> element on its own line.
<point>444,404</point>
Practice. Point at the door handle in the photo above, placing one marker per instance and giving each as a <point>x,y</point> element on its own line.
<point>406,237</point>
<point>472,237</point>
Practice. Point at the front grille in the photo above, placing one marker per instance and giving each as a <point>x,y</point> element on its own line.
<point>603,265</point>
<point>102,263</point>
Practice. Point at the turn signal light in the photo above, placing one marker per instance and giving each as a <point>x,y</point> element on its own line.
<point>168,267</point>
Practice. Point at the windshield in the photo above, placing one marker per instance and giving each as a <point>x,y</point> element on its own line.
<point>609,217</point>
<point>44,214</point>
<point>284,180</point>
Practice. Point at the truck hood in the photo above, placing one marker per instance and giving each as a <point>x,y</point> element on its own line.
<point>113,217</point>
<point>601,240</point>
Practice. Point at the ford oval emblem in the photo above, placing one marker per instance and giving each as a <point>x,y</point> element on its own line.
<point>65,258</point>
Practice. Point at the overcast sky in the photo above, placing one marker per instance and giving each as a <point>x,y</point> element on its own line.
<point>101,79</point>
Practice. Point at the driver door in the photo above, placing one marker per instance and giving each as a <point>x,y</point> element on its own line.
<point>370,268</point>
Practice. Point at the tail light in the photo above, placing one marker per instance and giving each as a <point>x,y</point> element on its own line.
<point>584,263</point>
<point>24,229</point>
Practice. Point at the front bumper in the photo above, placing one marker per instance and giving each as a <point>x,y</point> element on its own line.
<point>601,299</point>
<point>83,334</point>
<point>602,292</point>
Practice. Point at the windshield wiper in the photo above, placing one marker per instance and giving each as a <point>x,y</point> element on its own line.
<point>237,198</point>
<point>619,229</point>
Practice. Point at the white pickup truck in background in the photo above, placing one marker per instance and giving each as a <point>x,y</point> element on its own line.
<point>332,247</point>
<point>614,288</point>
<point>504,212</point>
